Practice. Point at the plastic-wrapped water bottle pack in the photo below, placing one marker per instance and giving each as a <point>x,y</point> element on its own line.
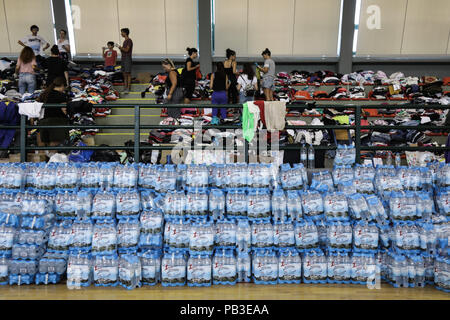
<point>106,224</point>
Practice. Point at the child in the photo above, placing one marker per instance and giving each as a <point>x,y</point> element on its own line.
<point>110,57</point>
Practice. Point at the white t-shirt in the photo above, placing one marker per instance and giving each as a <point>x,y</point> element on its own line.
<point>36,43</point>
<point>61,45</point>
<point>245,82</point>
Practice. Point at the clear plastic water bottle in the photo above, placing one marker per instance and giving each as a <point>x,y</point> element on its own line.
<point>398,160</point>
<point>243,236</point>
<point>79,271</point>
<point>304,156</point>
<point>217,204</point>
<point>151,266</point>
<point>279,205</point>
<point>311,157</point>
<point>243,267</point>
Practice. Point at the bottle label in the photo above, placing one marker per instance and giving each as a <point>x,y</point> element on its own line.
<point>267,271</point>
<point>289,270</point>
<point>105,274</point>
<point>223,271</point>
<point>262,238</point>
<point>82,236</point>
<point>149,272</point>
<point>3,271</point>
<point>285,238</point>
<point>6,240</point>
<point>151,222</point>
<point>201,242</point>
<point>226,237</point>
<point>128,237</point>
<point>199,274</point>
<point>101,241</point>
<point>177,273</point>
<point>312,205</point>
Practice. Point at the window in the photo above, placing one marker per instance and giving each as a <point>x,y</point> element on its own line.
<point>286,27</point>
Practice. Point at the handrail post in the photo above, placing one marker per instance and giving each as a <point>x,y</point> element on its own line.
<point>137,133</point>
<point>23,138</point>
<point>358,134</point>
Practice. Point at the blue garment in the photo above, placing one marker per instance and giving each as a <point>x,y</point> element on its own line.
<point>9,116</point>
<point>27,82</point>
<point>243,99</point>
<point>219,97</point>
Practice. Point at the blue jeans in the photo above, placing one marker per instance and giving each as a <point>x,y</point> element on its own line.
<point>219,97</point>
<point>27,82</point>
<point>243,99</point>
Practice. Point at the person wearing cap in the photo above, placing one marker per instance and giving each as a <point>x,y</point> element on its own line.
<point>35,42</point>
<point>268,79</point>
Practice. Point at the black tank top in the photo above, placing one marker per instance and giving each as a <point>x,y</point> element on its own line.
<point>230,74</point>
<point>169,82</point>
<point>219,81</point>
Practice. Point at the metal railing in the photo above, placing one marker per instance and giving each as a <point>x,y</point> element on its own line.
<point>137,127</point>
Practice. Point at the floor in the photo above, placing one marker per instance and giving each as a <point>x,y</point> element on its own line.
<point>238,292</point>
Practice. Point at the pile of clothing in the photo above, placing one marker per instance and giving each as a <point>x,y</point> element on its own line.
<point>7,69</point>
<point>96,87</point>
<point>81,113</point>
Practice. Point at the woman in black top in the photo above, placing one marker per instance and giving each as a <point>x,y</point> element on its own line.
<point>189,75</point>
<point>230,70</point>
<point>173,88</point>
<point>220,84</point>
<point>56,67</point>
<point>54,116</point>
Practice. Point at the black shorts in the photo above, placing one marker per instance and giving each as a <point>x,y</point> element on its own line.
<point>189,91</point>
<point>54,135</point>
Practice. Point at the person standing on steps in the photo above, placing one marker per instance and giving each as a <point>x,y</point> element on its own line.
<point>54,93</point>
<point>230,66</point>
<point>189,74</point>
<point>56,67</point>
<point>219,84</point>
<point>174,89</point>
<point>247,84</point>
<point>268,79</point>
<point>25,68</point>
<point>127,60</point>
<point>36,43</point>
<point>63,45</point>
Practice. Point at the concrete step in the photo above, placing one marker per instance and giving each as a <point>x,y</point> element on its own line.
<point>117,140</point>
<point>128,120</point>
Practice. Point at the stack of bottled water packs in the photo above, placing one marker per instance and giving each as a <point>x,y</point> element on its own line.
<point>106,224</point>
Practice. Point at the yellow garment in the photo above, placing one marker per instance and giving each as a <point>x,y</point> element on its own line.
<point>342,119</point>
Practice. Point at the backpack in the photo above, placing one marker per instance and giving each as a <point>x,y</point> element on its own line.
<point>249,90</point>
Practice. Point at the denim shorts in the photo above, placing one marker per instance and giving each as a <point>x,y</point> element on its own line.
<point>268,83</point>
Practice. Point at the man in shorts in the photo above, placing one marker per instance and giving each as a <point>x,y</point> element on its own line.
<point>127,60</point>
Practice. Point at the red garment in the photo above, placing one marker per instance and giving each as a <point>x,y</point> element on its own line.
<point>260,105</point>
<point>110,58</point>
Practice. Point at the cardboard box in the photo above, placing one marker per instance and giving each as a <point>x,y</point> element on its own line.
<point>31,157</point>
<point>144,77</point>
<point>89,140</point>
